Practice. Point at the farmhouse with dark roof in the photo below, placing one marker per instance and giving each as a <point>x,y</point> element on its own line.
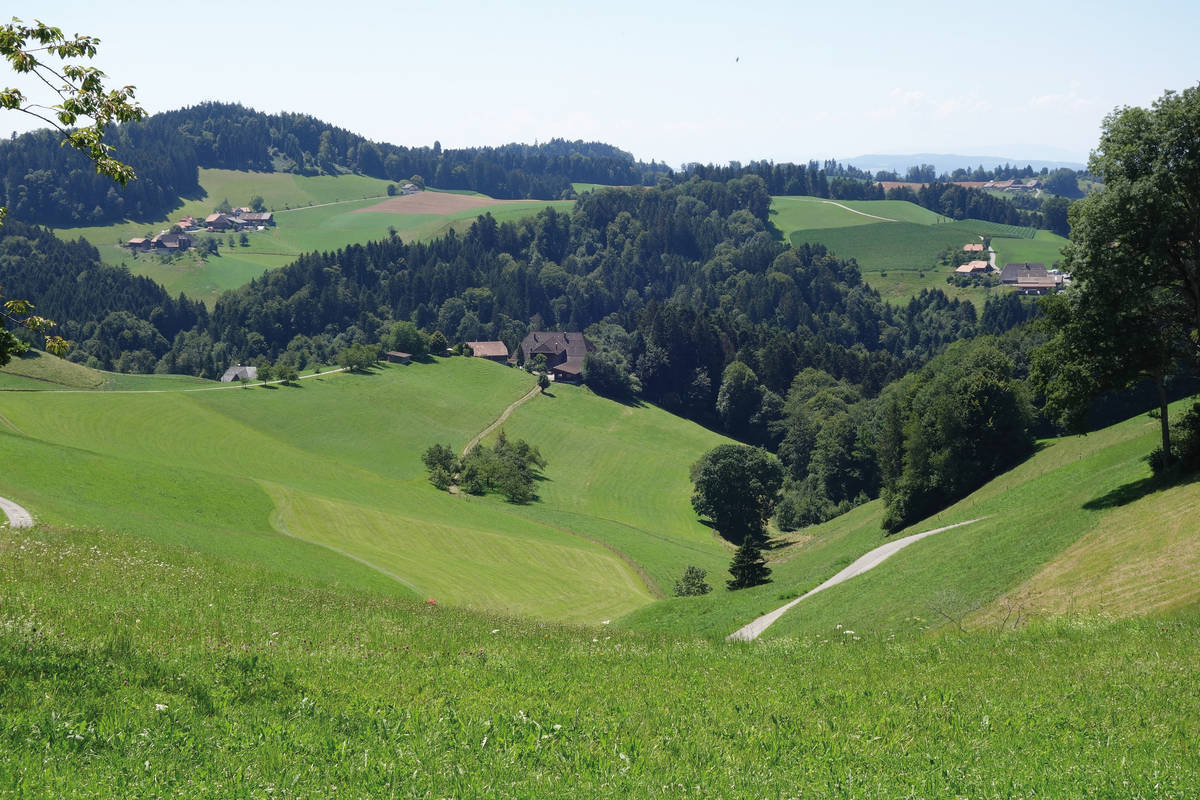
<point>564,352</point>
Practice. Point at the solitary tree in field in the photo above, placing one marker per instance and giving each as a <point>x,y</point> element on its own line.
<point>76,94</point>
<point>737,487</point>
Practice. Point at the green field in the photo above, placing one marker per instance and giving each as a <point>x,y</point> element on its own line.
<point>900,258</point>
<point>1044,247</point>
<point>335,462</point>
<point>137,670</point>
<point>228,595</point>
<point>312,213</point>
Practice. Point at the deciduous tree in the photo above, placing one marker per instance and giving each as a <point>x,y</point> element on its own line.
<point>77,92</point>
<point>737,487</point>
<point>1133,310</point>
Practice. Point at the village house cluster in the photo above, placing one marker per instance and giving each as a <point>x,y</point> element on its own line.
<point>1024,277</point>
<point>171,241</point>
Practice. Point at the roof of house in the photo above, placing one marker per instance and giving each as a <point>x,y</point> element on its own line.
<point>489,349</point>
<point>973,266</point>
<point>256,216</point>
<point>976,247</point>
<point>1019,271</point>
<point>138,240</point>
<point>399,354</point>
<point>238,372</point>
<point>213,217</point>
<point>572,366</point>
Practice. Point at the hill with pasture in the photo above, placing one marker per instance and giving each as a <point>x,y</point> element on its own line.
<point>312,213</point>
<point>325,477</point>
<point>899,245</point>
<point>255,566</point>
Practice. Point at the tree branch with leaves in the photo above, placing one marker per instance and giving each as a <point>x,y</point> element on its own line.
<point>75,92</point>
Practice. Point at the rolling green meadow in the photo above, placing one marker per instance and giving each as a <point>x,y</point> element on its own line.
<point>228,593</point>
<point>900,258</point>
<point>312,213</point>
<point>253,462</point>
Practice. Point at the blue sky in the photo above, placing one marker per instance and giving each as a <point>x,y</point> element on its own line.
<point>672,81</point>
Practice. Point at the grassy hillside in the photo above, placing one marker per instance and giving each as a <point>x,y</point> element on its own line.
<point>313,213</point>
<point>1077,527</point>
<point>335,463</point>
<point>638,506</point>
<point>133,669</point>
<point>900,257</point>
<point>37,371</point>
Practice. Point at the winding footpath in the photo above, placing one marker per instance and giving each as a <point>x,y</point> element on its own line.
<point>500,420</point>
<point>750,632</point>
<point>18,517</point>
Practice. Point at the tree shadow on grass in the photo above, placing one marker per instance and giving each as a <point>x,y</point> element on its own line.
<point>1136,490</point>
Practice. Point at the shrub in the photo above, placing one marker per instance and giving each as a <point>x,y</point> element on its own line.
<point>691,583</point>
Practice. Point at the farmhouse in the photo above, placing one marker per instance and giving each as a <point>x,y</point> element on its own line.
<point>1029,278</point>
<point>973,268</point>
<point>396,357</point>
<point>256,218</point>
<point>492,351</point>
<point>171,242</point>
<point>240,373</point>
<point>140,243</point>
<point>564,352</point>
<point>1023,272</point>
<point>220,222</point>
<point>973,247</point>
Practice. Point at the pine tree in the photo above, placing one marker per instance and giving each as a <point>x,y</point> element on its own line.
<point>748,567</point>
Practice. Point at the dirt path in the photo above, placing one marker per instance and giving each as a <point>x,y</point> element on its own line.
<point>750,632</point>
<point>500,420</point>
<point>18,517</point>
<point>861,213</point>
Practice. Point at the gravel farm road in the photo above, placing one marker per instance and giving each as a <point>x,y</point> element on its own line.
<point>874,558</point>
<point>18,517</point>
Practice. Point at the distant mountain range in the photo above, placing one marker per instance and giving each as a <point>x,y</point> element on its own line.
<point>945,163</point>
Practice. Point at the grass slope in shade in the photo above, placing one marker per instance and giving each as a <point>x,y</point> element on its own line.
<point>334,462</point>
<point>135,670</point>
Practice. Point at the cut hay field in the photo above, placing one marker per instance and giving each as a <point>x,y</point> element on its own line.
<point>326,479</point>
<point>312,213</point>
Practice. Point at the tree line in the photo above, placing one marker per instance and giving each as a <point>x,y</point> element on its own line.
<point>46,184</point>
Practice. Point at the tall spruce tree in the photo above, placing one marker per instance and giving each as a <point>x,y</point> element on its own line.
<point>748,567</point>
